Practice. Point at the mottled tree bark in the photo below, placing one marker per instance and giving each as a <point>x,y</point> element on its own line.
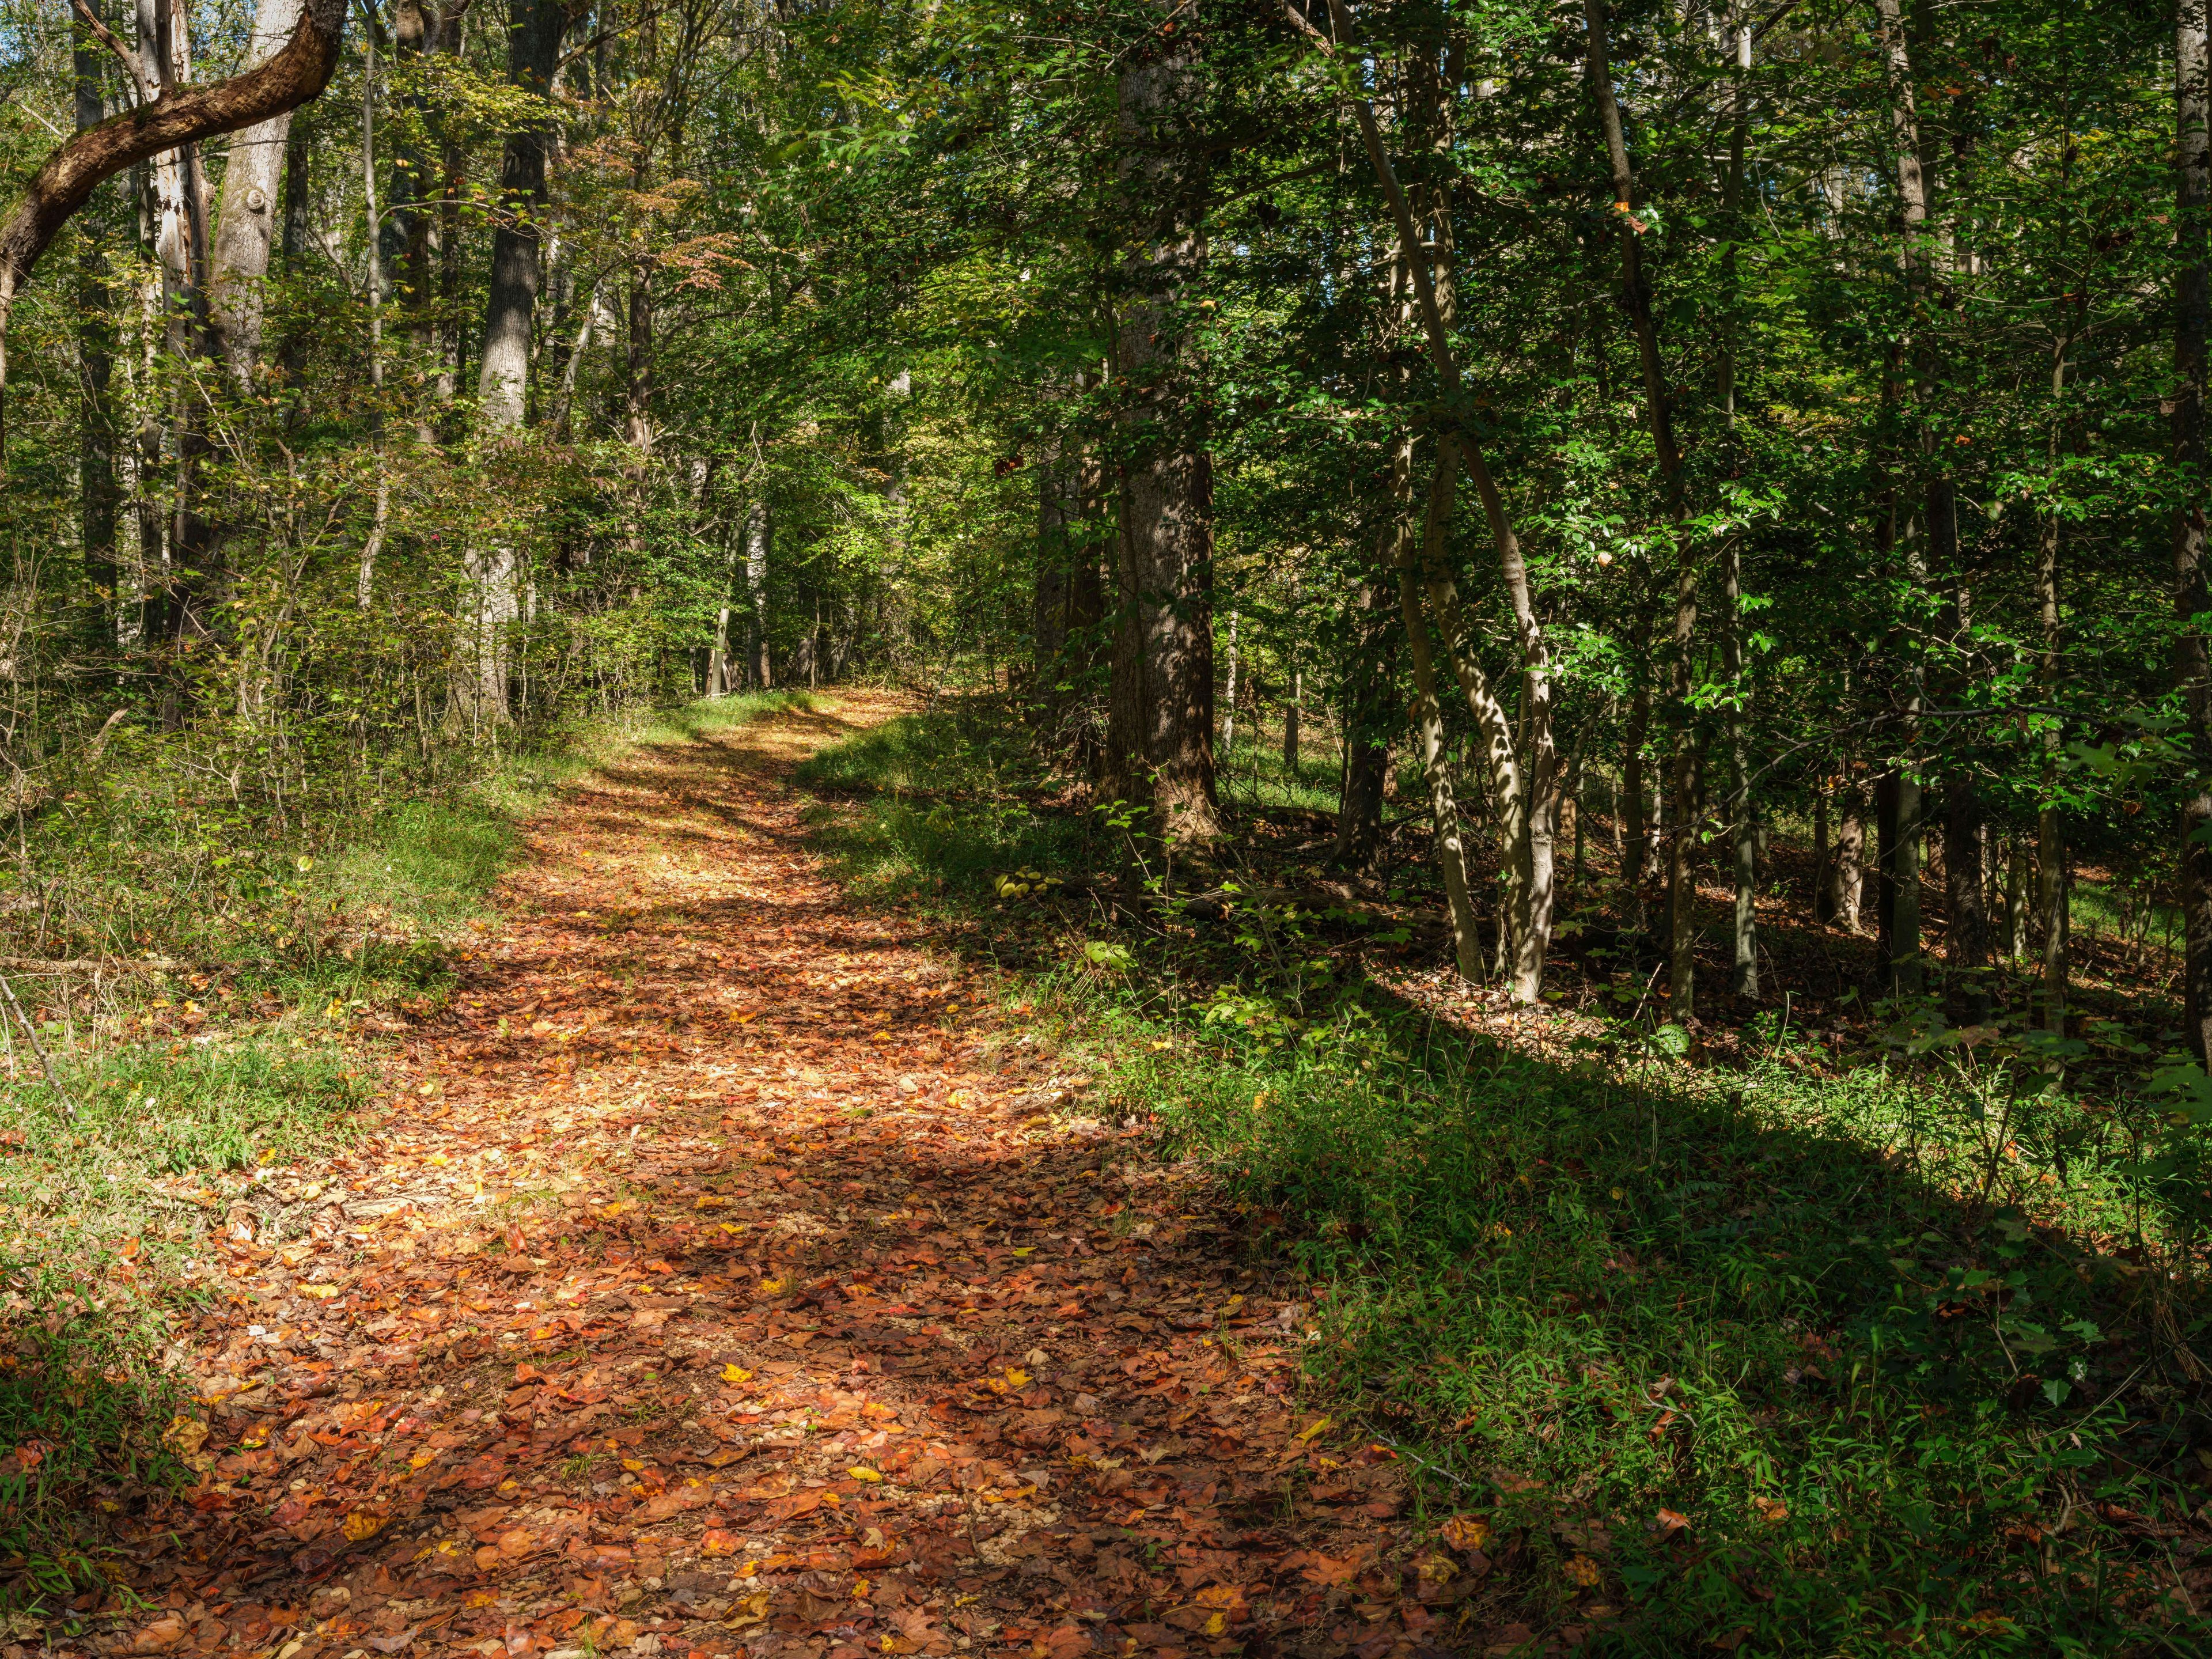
<point>245,223</point>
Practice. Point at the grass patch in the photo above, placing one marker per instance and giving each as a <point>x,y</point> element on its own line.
<point>1830,1352</point>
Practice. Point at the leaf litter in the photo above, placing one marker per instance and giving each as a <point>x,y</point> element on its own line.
<point>717,1286</point>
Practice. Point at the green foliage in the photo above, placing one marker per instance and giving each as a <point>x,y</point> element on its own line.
<point>1872,1332</point>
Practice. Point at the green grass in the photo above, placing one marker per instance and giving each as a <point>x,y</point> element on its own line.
<point>942,814</point>
<point>1900,1339</point>
<point>1251,773</point>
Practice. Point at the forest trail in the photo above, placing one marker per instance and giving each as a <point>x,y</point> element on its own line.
<point>712,1287</point>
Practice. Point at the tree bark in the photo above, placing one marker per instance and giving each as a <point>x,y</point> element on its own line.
<point>759,533</point>
<point>1365,700</point>
<point>1847,878</point>
<point>1428,711</point>
<point>2192,663</point>
<point>637,382</point>
<point>245,223</point>
<point>1167,488</point>
<point>99,499</point>
<point>533,47</point>
<point>1635,833</point>
<point>1534,756</point>
<point>65,181</point>
<point>1744,980</point>
<point>1635,297</point>
<point>1967,941</point>
<point>1902,965</point>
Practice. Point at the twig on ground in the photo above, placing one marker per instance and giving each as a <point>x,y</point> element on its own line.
<point>69,1106</point>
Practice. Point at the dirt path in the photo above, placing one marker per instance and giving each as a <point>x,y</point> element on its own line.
<point>713,1289</point>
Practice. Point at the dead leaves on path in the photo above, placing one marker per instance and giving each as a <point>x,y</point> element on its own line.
<point>711,1289</point>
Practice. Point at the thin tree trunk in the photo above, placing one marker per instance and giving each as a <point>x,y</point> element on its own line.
<point>2192,664</point>
<point>1228,720</point>
<point>1744,979</point>
<point>1628,230</point>
<point>759,532</point>
<point>99,496</point>
<point>637,386</point>
<point>1635,832</point>
<point>1365,702</point>
<point>1530,859</point>
<point>1967,943</point>
<point>1902,965</point>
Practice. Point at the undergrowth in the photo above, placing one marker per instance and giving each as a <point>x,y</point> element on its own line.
<point>1819,1354</point>
<point>195,1083</point>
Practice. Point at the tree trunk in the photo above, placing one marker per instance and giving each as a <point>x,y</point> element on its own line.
<point>1847,881</point>
<point>1635,833</point>
<point>2020,877</point>
<point>1744,980</point>
<point>1228,720</point>
<point>2192,667</point>
<point>1635,297</point>
<point>1428,711</point>
<point>759,533</point>
<point>246,224</point>
<point>492,600</point>
<point>99,496</point>
<point>1967,943</point>
<point>1167,490</point>
<point>75,168</point>
<point>1365,701</point>
<point>637,382</point>
<point>1901,966</point>
<point>533,45</point>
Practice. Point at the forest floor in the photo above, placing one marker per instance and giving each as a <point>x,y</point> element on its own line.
<point>727,1273</point>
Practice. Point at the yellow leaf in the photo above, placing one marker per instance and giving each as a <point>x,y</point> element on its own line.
<point>361,1524</point>
<point>861,1471</point>
<point>1467,1532</point>
<point>1216,1624</point>
<point>632,1464</point>
<point>1313,1428</point>
<point>422,1460</point>
<point>1016,1379</point>
<point>736,1374</point>
<point>319,1293</point>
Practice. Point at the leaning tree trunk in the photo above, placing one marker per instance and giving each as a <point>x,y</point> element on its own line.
<point>1902,965</point>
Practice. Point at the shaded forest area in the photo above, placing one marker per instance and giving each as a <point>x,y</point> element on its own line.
<point>1665,540</point>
